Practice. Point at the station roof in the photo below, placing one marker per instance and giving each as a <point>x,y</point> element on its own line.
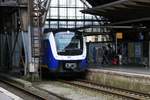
<point>121,11</point>
<point>95,3</point>
<point>8,6</point>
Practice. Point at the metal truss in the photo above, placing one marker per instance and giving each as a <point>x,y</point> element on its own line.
<point>37,12</point>
<point>40,8</point>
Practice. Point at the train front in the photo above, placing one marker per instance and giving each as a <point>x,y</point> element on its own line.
<point>68,52</point>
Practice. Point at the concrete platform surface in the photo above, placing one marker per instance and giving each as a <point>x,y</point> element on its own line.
<point>120,79</point>
<point>138,69</point>
<point>6,95</point>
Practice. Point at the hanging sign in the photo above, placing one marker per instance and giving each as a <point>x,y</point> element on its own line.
<point>119,35</point>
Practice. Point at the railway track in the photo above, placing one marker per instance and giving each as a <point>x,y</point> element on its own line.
<point>23,90</point>
<point>133,95</point>
<point>57,95</point>
<point>36,96</point>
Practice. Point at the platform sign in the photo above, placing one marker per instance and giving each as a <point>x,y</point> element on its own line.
<point>119,35</point>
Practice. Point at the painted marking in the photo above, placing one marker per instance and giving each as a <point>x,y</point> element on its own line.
<point>6,95</point>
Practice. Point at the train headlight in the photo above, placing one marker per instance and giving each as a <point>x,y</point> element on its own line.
<point>67,65</point>
<point>70,65</point>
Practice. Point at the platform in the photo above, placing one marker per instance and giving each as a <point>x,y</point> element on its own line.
<point>138,69</point>
<point>6,95</point>
<point>132,78</point>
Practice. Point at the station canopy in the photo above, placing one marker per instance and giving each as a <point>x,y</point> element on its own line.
<point>99,2</point>
<point>121,11</point>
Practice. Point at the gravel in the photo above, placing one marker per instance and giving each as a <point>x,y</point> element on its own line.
<point>74,93</point>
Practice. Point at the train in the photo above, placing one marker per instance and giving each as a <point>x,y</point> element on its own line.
<point>65,52</point>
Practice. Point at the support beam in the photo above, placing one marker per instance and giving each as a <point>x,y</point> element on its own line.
<point>95,33</point>
<point>112,27</point>
<point>30,7</point>
<point>149,53</point>
<point>132,21</point>
<point>37,14</point>
<point>101,20</point>
<point>145,1</point>
<point>13,3</point>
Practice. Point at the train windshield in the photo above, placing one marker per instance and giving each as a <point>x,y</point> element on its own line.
<point>68,43</point>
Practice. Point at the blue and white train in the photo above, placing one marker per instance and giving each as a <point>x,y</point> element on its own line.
<point>65,52</point>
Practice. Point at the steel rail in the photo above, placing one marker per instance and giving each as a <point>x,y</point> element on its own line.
<point>126,90</point>
<point>23,89</point>
<point>57,95</point>
<point>108,89</point>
